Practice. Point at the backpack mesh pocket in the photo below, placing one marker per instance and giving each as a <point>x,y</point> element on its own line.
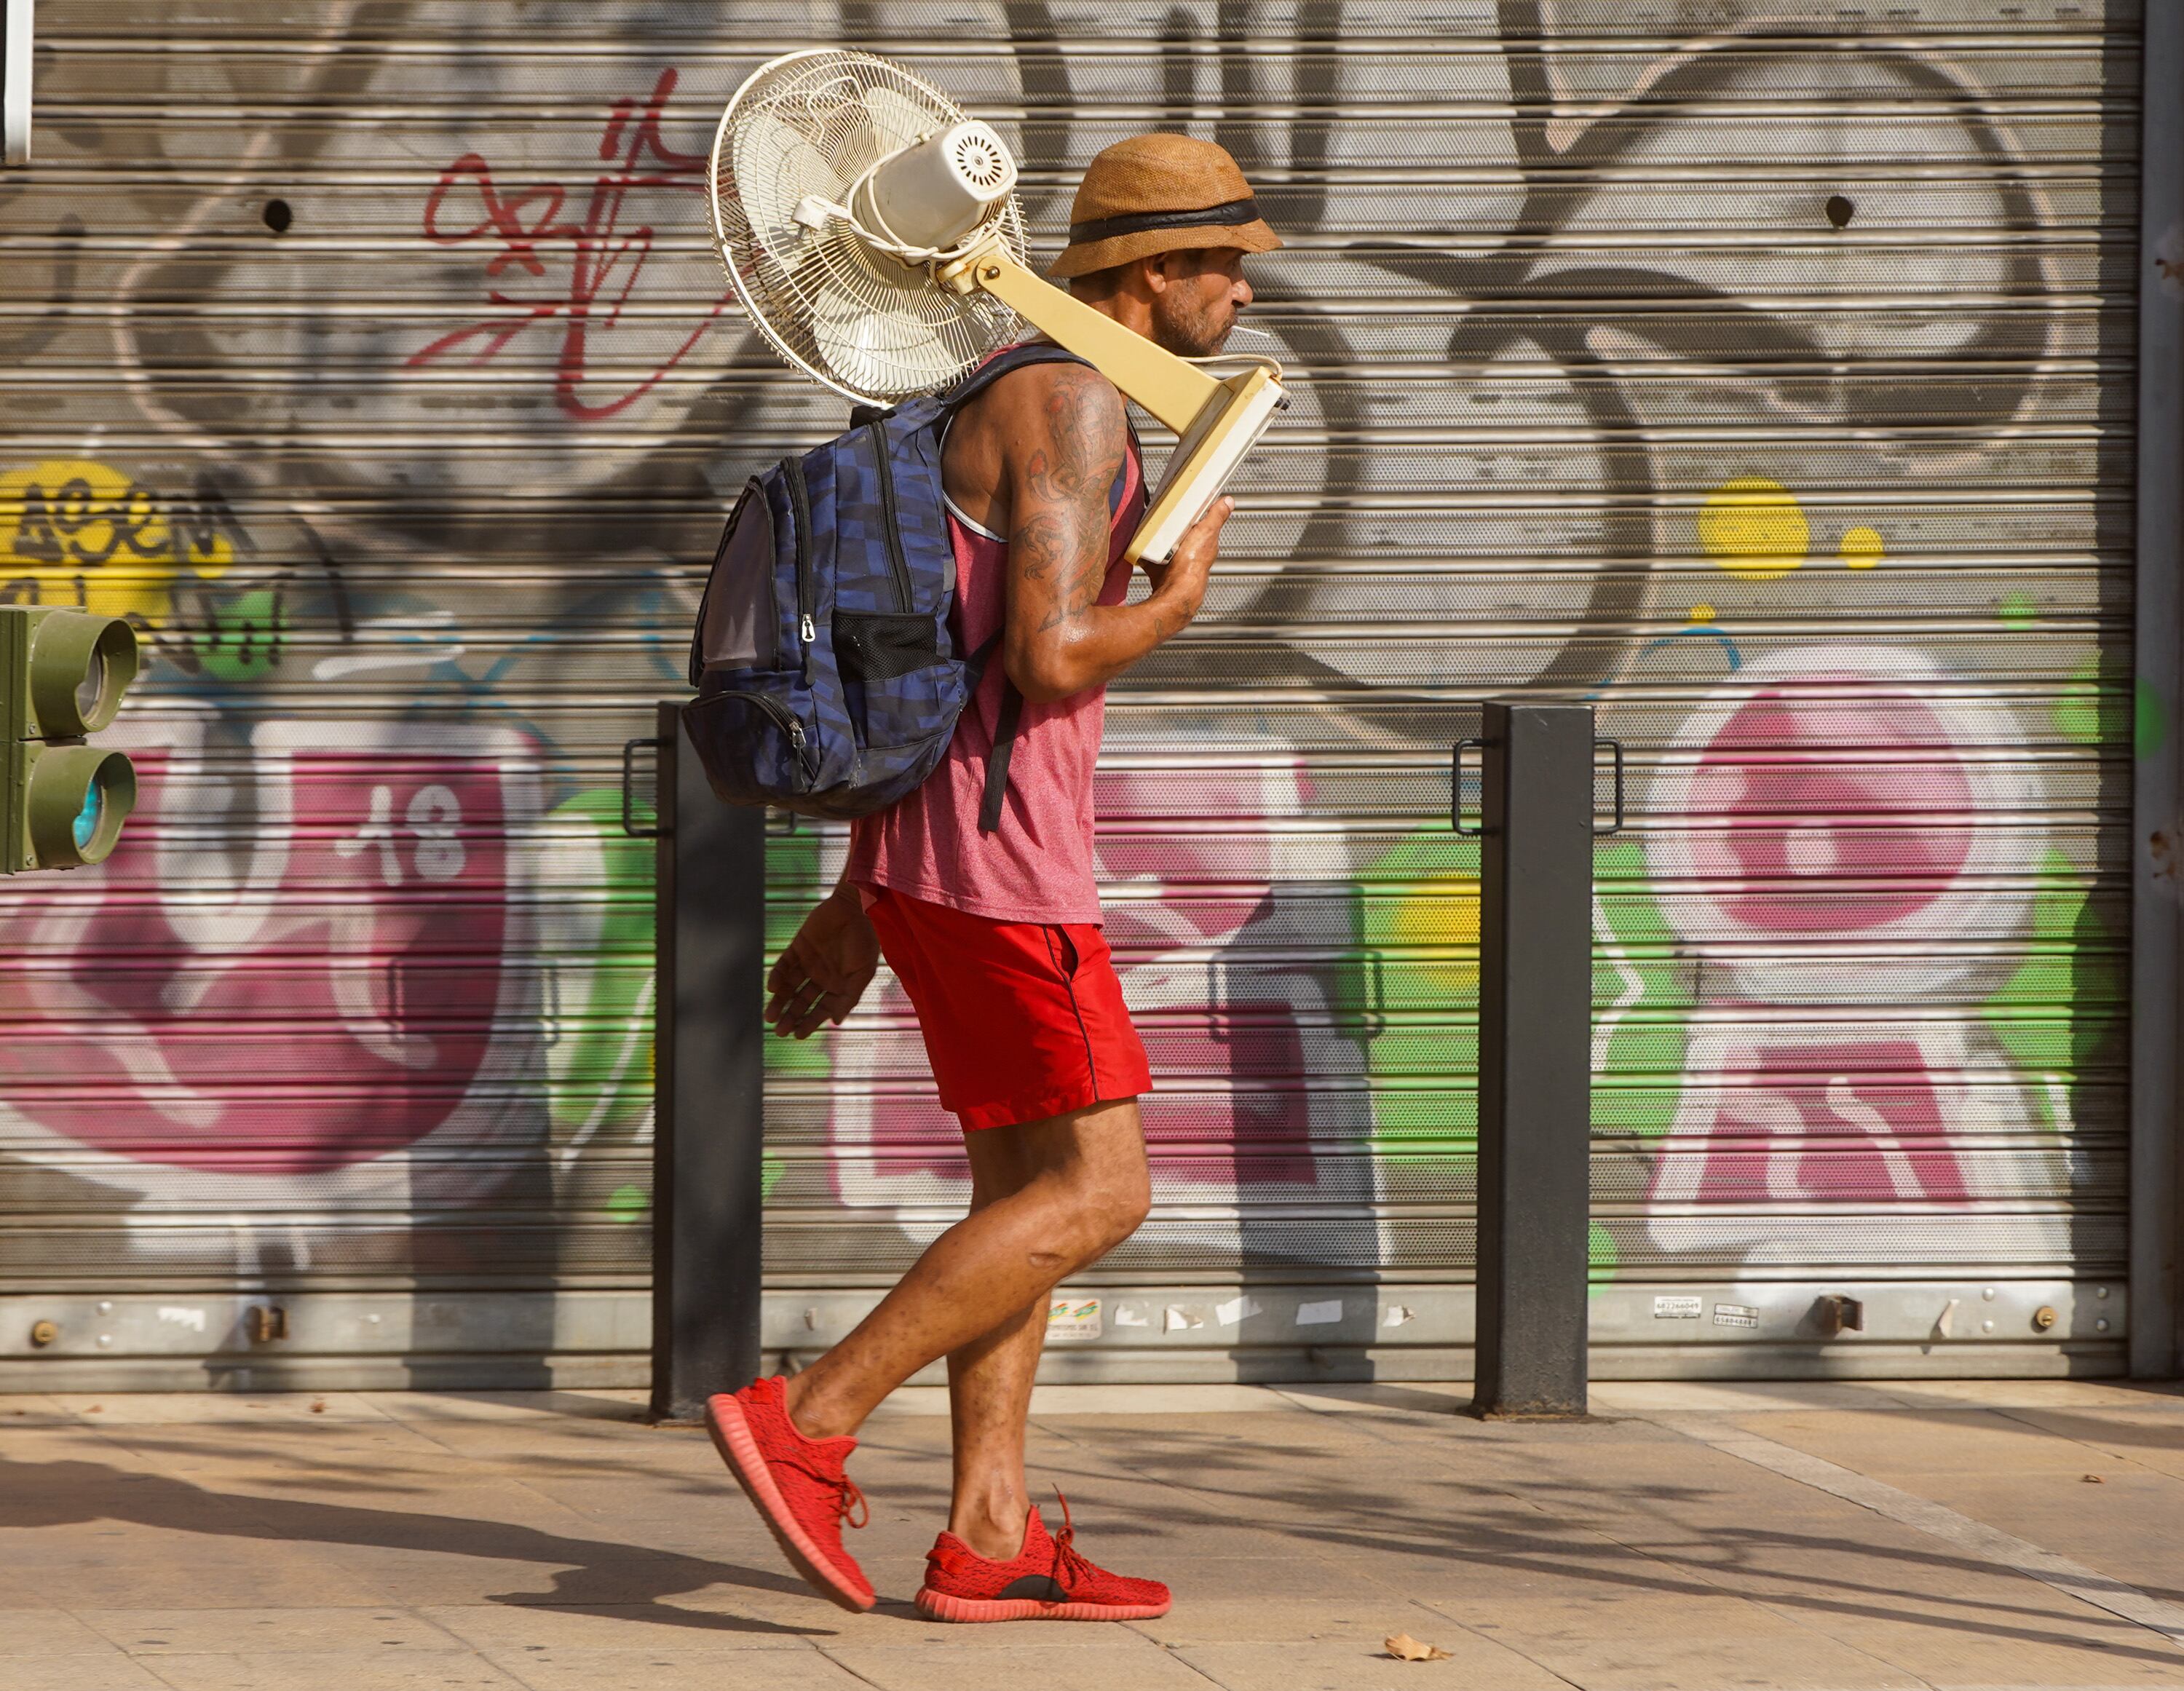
<point>877,646</point>
<point>736,619</point>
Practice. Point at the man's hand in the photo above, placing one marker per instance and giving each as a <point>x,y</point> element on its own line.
<point>1179,585</point>
<point>826,969</point>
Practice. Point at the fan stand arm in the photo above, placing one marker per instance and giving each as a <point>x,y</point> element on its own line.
<point>1173,391</point>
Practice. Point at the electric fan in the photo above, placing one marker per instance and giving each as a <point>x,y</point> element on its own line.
<point>870,229</point>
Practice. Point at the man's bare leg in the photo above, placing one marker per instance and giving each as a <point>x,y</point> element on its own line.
<point>1065,1191</point>
<point>990,1384</point>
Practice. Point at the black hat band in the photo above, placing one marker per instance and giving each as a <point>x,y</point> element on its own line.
<point>1235,213</point>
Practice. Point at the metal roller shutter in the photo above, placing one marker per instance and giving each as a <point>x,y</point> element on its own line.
<point>1760,372</point>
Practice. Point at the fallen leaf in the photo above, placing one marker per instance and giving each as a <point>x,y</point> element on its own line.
<point>1405,1648</point>
<point>2095,1480</point>
<point>319,1406</point>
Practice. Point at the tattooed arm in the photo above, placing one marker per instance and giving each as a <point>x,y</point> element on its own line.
<point>1040,451</point>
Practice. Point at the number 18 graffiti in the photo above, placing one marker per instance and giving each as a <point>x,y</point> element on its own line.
<point>432,816</point>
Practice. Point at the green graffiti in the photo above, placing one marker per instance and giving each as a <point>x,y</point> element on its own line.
<point>792,887</point>
<point>2150,720</point>
<point>1640,996</point>
<point>1418,923</point>
<point>2017,610</point>
<point>243,636</point>
<point>1604,1258</point>
<point>2092,713</point>
<point>2065,1001</point>
<point>596,933</point>
<point>628,1204</point>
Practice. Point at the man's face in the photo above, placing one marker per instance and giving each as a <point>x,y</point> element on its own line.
<point>1194,312</point>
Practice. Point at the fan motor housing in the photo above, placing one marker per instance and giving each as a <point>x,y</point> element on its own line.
<point>939,190</point>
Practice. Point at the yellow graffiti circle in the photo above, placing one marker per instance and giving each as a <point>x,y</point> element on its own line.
<point>76,532</point>
<point>1437,916</point>
<point>1862,548</point>
<point>1754,528</point>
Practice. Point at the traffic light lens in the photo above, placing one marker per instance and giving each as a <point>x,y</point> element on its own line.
<point>93,687</point>
<point>74,800</point>
<point>88,818</point>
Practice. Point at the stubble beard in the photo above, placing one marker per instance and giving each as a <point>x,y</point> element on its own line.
<point>1201,336</point>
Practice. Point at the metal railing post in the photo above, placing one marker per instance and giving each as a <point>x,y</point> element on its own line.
<point>1535,1057</point>
<point>709,1089</point>
<point>2156,1315</point>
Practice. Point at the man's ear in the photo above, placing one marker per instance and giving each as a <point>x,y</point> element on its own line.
<point>1153,273</point>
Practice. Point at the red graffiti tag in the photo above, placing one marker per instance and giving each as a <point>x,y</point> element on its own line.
<point>589,268</point>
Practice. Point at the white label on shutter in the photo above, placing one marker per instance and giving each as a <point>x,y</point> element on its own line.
<point>1736,1315</point>
<point>1679,1309</point>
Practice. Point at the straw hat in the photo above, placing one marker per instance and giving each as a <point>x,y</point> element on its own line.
<point>1160,193</point>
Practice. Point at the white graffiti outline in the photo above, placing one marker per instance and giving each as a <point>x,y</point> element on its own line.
<point>171,1196</point>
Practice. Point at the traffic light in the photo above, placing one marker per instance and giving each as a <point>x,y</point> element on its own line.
<point>62,676</point>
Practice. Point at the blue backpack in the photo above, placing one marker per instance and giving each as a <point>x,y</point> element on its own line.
<point>827,680</point>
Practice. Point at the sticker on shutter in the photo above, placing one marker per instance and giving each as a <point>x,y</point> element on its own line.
<point>1073,1320</point>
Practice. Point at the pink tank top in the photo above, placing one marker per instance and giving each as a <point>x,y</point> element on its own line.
<point>1037,867</point>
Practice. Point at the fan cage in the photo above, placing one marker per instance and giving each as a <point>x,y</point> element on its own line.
<point>852,318</point>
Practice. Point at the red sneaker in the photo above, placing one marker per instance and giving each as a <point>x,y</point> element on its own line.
<point>797,1483</point>
<point>1048,1581</point>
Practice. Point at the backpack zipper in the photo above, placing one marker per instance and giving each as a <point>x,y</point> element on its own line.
<point>783,716</point>
<point>800,497</point>
<point>897,566</point>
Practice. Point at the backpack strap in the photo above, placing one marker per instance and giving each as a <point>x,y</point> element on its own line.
<point>974,666</point>
<point>1012,702</point>
<point>997,763</point>
<point>1005,735</point>
<point>1016,357</point>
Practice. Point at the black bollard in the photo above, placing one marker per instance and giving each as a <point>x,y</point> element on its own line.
<point>708,1122</point>
<point>1535,1057</point>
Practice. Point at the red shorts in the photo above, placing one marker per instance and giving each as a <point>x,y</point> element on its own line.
<point>1022,1019</point>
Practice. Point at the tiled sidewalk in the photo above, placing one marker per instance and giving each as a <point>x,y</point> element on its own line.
<point>1687,1538</point>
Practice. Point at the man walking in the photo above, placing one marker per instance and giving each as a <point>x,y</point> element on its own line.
<point>996,936</point>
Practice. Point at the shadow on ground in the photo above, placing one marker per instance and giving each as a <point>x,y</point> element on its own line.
<point>588,1571</point>
<point>1567,1530</point>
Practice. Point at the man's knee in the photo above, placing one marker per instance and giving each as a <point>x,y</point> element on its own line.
<point>1119,1208</point>
<point>1096,1188</point>
<point>1090,1218</point>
